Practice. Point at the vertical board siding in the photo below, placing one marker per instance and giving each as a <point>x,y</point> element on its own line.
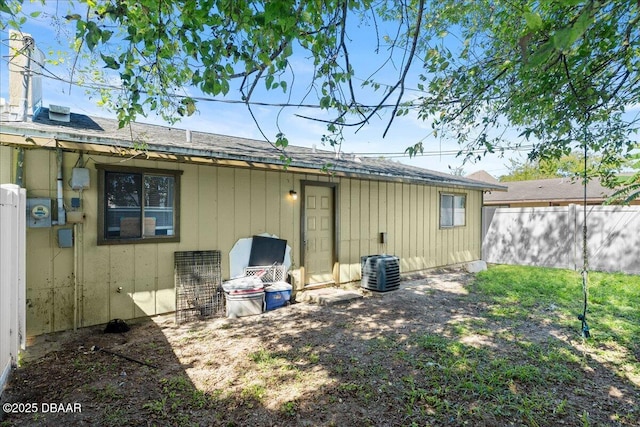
<point>275,196</point>
<point>207,206</point>
<point>226,215</point>
<point>374,222</point>
<point>258,197</point>
<point>409,213</point>
<point>6,165</point>
<point>242,203</point>
<point>220,205</point>
<point>418,219</point>
<point>406,226</point>
<point>366,228</point>
<point>354,220</point>
<point>344,232</point>
<point>383,226</point>
<point>288,219</point>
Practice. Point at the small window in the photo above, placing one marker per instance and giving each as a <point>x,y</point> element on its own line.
<point>453,210</point>
<point>138,205</point>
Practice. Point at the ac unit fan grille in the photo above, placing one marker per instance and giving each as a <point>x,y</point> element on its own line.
<point>380,273</point>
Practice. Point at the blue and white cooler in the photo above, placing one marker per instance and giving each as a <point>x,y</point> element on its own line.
<point>277,295</point>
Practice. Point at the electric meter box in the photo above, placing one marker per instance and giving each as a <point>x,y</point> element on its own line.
<point>38,212</point>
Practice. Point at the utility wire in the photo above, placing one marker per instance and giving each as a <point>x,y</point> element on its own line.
<point>101,86</point>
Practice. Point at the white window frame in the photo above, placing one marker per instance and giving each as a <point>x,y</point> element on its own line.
<point>451,214</point>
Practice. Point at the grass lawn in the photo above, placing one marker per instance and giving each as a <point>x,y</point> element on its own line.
<point>613,304</point>
<point>525,383</point>
<point>500,348</point>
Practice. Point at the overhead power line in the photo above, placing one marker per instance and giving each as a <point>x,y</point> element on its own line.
<point>102,86</point>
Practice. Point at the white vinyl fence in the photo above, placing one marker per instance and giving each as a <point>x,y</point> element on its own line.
<point>12,276</point>
<point>552,237</point>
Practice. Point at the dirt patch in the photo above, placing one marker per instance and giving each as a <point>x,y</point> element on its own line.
<point>432,353</point>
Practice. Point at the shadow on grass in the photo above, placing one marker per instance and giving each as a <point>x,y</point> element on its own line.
<point>432,353</point>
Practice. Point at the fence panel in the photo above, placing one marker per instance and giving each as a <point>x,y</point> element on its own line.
<point>552,237</point>
<point>613,238</point>
<point>12,276</point>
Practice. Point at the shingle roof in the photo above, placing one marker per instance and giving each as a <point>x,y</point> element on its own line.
<point>163,139</point>
<point>548,190</point>
<point>483,176</point>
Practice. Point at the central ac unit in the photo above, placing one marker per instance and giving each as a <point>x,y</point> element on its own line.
<point>380,273</point>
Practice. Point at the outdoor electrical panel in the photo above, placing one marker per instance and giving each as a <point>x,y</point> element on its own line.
<point>38,212</point>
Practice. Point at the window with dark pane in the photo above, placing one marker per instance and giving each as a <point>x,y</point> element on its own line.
<point>123,207</point>
<point>158,205</point>
<point>138,205</point>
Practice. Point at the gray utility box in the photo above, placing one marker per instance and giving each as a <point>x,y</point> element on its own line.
<point>65,237</point>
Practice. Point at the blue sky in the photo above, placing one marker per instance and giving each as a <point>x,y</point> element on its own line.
<point>234,119</point>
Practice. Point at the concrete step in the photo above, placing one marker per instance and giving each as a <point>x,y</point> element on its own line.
<point>328,296</point>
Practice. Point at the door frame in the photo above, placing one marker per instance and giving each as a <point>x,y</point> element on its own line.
<point>303,224</point>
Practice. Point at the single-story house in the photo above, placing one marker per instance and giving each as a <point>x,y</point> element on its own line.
<point>205,191</point>
<point>107,208</point>
<point>543,192</point>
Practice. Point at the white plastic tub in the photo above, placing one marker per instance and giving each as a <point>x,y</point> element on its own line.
<point>249,304</point>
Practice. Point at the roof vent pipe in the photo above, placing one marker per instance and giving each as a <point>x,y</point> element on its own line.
<point>188,135</point>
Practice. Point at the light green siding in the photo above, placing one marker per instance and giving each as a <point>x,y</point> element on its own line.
<point>409,213</point>
<point>6,170</point>
<point>219,205</point>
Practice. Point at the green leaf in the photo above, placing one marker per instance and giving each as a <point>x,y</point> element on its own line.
<point>35,14</point>
<point>93,35</point>
<point>325,102</point>
<point>110,62</point>
<point>281,140</point>
<point>106,35</point>
<point>534,21</point>
<point>4,8</point>
<point>540,56</point>
<point>565,37</point>
<point>190,106</point>
<point>583,22</point>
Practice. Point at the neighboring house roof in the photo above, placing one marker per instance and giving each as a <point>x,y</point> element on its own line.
<point>484,176</point>
<point>554,190</point>
<point>84,132</point>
